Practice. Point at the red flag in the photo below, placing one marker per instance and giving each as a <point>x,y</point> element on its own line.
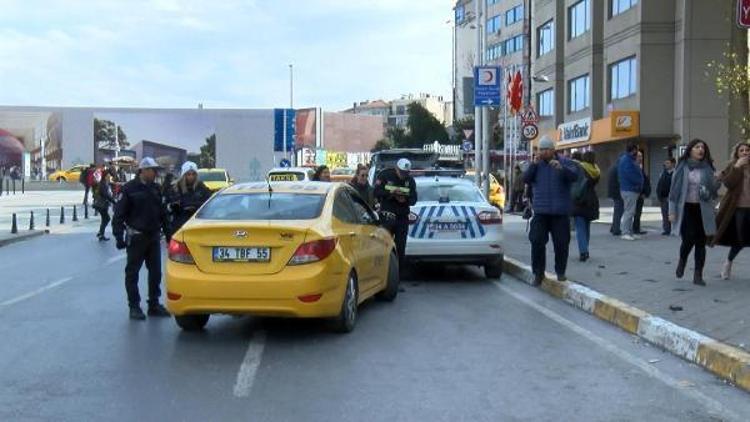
<point>516,97</point>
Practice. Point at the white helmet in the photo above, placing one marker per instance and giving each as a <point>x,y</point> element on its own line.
<point>404,164</point>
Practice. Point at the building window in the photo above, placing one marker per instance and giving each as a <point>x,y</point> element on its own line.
<point>460,14</point>
<point>400,110</point>
<point>545,38</point>
<point>491,2</point>
<point>545,101</point>
<point>622,81</point>
<point>495,51</point>
<point>619,6</point>
<point>493,24</point>
<point>514,15</point>
<point>578,19</point>
<point>513,44</point>
<point>578,89</point>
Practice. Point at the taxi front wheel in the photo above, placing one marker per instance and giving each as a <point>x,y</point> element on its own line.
<point>192,322</point>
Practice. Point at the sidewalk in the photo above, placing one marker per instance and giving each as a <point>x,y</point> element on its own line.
<point>641,274</point>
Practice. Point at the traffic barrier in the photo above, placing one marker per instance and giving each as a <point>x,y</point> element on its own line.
<point>14,225</point>
<point>47,222</point>
<point>75,213</point>
<point>31,221</point>
<point>62,215</point>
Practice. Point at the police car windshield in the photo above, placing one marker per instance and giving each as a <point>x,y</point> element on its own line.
<point>261,206</point>
<point>212,176</point>
<point>448,193</point>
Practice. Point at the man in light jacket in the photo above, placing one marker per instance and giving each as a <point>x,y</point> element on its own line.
<point>630,177</point>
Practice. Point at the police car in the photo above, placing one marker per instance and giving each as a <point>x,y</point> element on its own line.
<point>452,222</point>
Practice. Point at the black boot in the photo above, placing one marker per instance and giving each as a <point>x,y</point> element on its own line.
<point>698,278</point>
<point>137,314</point>
<point>538,278</point>
<point>584,257</point>
<point>680,268</point>
<point>158,310</point>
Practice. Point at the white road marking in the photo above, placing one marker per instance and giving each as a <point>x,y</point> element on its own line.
<point>36,292</point>
<point>712,405</point>
<point>249,367</point>
<point>114,259</point>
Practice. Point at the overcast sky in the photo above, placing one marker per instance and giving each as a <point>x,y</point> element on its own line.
<point>225,54</point>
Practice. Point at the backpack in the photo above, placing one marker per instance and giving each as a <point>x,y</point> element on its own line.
<point>578,188</point>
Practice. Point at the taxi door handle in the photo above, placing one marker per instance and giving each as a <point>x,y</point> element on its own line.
<point>372,236</point>
<point>352,234</point>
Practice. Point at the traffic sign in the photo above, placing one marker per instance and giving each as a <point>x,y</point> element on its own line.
<point>530,131</point>
<point>285,163</point>
<point>529,115</point>
<point>486,86</point>
<point>743,13</point>
<point>467,146</point>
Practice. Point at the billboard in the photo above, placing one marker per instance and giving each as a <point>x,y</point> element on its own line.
<point>36,133</point>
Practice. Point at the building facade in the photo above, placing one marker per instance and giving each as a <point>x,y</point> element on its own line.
<point>609,72</point>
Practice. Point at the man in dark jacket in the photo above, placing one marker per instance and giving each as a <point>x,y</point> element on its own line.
<point>631,187</point>
<point>613,192</point>
<point>662,192</point>
<point>550,177</point>
<point>396,191</point>
<point>140,213</point>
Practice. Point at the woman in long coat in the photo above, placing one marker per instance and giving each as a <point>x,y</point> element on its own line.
<point>733,219</point>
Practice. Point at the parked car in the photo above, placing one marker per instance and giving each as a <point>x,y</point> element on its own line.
<point>215,179</point>
<point>70,175</point>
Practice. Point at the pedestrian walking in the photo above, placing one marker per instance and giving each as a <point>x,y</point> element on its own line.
<point>691,205</point>
<point>396,191</point>
<point>585,202</point>
<point>645,193</point>
<point>140,217</point>
<point>360,183</point>
<point>550,177</point>
<point>662,193</point>
<point>630,177</point>
<point>517,189</point>
<point>103,197</point>
<point>84,180</point>
<point>613,192</point>
<point>187,196</point>
<point>733,219</point>
<point>322,174</point>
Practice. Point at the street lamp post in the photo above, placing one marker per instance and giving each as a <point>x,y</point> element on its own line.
<point>478,128</point>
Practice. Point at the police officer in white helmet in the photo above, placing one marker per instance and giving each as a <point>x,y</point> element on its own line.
<point>396,191</point>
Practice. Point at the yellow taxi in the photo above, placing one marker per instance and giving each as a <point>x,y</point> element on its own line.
<point>497,191</point>
<point>286,249</point>
<point>215,179</point>
<point>73,174</point>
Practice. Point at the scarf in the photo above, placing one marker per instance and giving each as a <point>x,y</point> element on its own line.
<point>591,169</point>
<point>707,183</point>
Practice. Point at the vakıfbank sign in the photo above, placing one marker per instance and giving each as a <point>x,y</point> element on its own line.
<point>575,131</point>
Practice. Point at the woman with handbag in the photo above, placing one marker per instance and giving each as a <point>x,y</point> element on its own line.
<point>585,202</point>
<point>102,199</point>
<point>691,205</point>
<point>733,219</point>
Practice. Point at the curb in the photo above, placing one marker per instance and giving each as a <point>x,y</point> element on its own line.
<point>22,236</point>
<point>728,362</point>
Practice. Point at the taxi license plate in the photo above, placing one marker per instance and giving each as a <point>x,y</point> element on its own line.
<point>228,254</point>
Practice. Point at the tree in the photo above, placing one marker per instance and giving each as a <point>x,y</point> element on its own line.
<point>423,127</point>
<point>104,134</point>
<point>208,153</point>
<point>382,144</point>
<point>397,136</point>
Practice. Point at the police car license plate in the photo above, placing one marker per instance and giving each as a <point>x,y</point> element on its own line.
<point>227,254</point>
<point>448,226</point>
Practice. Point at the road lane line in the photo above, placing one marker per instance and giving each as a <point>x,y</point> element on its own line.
<point>36,292</point>
<point>712,405</point>
<point>114,259</point>
<point>249,367</point>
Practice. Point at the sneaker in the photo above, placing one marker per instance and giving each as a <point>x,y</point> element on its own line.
<point>137,314</point>
<point>726,270</point>
<point>627,237</point>
<point>561,277</point>
<point>158,310</point>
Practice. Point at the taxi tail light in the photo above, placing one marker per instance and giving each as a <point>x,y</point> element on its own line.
<point>314,251</point>
<point>490,217</point>
<point>413,218</point>
<point>179,252</point>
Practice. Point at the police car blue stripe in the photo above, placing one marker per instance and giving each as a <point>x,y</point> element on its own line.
<point>480,226</point>
<point>419,222</point>
<point>424,226</point>
<point>440,213</point>
<point>468,220</point>
<point>458,215</point>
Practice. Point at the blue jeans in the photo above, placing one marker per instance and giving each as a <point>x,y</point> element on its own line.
<point>583,234</point>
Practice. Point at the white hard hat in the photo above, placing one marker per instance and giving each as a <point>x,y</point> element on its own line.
<point>188,166</point>
<point>148,163</point>
<point>404,164</point>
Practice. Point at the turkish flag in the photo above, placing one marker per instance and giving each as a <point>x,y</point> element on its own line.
<point>516,97</point>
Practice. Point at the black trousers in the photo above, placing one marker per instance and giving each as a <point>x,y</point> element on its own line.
<point>541,228</point>
<point>400,229</point>
<point>619,209</point>
<point>104,213</point>
<point>143,248</point>
<point>693,235</point>
<point>86,195</point>
<point>637,216</point>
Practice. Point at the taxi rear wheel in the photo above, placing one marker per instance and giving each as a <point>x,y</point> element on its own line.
<point>192,322</point>
<point>391,287</point>
<point>347,318</point>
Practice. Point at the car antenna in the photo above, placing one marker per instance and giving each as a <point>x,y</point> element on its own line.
<point>270,192</point>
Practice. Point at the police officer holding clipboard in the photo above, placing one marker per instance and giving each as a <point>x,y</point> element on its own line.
<point>396,191</point>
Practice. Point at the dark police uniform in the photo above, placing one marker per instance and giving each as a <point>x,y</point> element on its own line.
<point>386,185</point>
<point>140,214</point>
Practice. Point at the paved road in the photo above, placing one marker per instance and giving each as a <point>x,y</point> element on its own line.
<point>452,347</point>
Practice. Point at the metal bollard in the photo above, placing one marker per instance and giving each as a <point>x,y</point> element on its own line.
<point>23,185</point>
<point>14,186</point>
<point>75,213</point>
<point>7,186</point>
<point>86,211</point>
<point>47,222</point>
<point>62,215</point>
<point>14,225</point>
<point>31,221</point>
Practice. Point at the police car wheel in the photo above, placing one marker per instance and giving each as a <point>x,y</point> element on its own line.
<point>347,318</point>
<point>391,287</point>
<point>493,270</point>
<point>192,322</point>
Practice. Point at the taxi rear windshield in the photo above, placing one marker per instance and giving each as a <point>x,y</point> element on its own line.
<point>262,206</point>
<point>287,176</point>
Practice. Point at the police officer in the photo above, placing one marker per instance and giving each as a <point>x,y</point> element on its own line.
<point>396,191</point>
<point>140,217</point>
